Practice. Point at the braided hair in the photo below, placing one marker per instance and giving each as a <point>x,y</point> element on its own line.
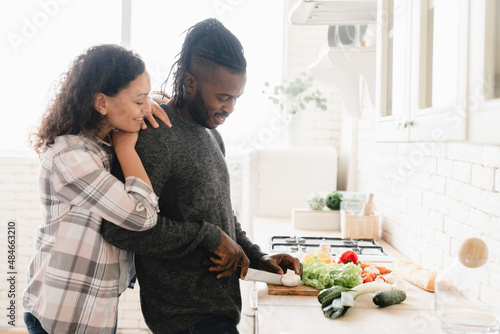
<point>208,45</point>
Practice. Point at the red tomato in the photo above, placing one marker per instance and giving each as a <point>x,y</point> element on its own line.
<point>367,279</point>
<point>348,256</point>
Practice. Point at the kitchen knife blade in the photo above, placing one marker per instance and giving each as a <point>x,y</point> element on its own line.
<point>263,276</point>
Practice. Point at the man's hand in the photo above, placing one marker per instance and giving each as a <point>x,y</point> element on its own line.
<point>279,263</point>
<point>231,255</point>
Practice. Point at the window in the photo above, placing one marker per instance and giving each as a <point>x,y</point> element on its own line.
<point>44,36</point>
<point>422,70</point>
<point>40,39</point>
<point>157,34</point>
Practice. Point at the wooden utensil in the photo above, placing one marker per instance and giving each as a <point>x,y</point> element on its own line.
<point>473,253</point>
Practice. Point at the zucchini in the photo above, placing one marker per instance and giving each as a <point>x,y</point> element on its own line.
<point>388,298</point>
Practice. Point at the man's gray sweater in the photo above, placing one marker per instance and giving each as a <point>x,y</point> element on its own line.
<point>188,172</point>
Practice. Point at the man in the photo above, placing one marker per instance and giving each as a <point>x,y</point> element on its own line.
<point>187,265</point>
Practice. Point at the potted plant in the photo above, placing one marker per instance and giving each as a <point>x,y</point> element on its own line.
<point>316,201</point>
<point>333,200</point>
<point>295,95</point>
<point>292,97</point>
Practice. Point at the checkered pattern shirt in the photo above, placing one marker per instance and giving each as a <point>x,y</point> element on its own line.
<point>76,277</point>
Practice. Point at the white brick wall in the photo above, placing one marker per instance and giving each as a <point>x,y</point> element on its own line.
<point>431,203</point>
<point>432,196</point>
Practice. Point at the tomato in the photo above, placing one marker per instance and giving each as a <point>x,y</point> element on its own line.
<point>367,279</point>
<point>347,256</point>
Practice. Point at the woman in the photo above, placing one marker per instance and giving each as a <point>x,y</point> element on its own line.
<point>75,277</point>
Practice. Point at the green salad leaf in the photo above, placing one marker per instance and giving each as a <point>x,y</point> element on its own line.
<point>321,275</point>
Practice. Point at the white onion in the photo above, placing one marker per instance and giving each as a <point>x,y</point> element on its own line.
<point>290,278</point>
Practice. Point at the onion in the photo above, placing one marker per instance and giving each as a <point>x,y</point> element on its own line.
<point>290,278</point>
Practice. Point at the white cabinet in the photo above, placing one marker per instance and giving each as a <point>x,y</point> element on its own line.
<point>393,64</point>
<point>484,72</point>
<point>438,70</point>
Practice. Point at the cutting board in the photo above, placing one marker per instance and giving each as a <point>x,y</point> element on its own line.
<point>300,290</point>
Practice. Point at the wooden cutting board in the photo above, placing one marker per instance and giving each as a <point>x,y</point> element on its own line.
<point>300,290</point>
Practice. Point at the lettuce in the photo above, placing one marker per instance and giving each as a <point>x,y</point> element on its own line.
<point>320,275</point>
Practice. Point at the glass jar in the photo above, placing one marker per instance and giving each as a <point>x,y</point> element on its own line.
<point>459,295</point>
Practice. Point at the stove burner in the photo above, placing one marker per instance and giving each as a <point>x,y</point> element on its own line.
<point>295,240</point>
<point>368,247</point>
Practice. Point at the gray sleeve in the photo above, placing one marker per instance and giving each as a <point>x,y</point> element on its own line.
<point>253,251</point>
<point>168,239</point>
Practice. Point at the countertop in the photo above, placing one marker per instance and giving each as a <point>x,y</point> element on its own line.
<point>278,314</point>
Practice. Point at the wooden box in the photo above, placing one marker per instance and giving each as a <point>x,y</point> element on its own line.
<point>359,227</point>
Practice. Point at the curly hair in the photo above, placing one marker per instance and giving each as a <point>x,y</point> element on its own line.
<point>103,69</point>
<point>208,45</point>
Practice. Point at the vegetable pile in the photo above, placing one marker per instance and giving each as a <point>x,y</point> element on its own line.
<point>321,275</point>
<point>372,273</point>
<point>342,281</point>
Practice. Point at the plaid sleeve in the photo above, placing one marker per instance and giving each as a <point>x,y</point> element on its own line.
<point>80,178</point>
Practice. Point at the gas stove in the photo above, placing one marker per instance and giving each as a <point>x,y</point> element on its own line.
<point>367,249</point>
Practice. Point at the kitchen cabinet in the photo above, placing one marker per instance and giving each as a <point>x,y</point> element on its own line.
<point>484,72</point>
<point>422,70</point>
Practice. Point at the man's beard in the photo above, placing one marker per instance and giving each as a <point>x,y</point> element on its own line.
<point>198,111</point>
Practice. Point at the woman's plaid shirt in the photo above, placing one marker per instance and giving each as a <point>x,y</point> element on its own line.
<point>76,277</point>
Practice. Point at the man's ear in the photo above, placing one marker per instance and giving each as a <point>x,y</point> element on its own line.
<point>190,84</point>
<point>100,103</point>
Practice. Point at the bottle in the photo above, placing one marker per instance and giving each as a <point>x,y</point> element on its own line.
<point>458,292</point>
<point>324,252</point>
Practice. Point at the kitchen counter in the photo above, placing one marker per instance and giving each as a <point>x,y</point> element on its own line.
<point>303,314</point>
<point>278,314</point>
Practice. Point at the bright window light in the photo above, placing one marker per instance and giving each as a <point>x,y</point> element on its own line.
<point>42,37</point>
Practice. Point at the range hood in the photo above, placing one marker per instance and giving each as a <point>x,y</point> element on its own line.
<point>334,12</point>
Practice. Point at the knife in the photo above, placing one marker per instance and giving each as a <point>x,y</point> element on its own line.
<point>263,276</point>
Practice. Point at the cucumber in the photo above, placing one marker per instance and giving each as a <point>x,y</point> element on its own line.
<point>388,298</point>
